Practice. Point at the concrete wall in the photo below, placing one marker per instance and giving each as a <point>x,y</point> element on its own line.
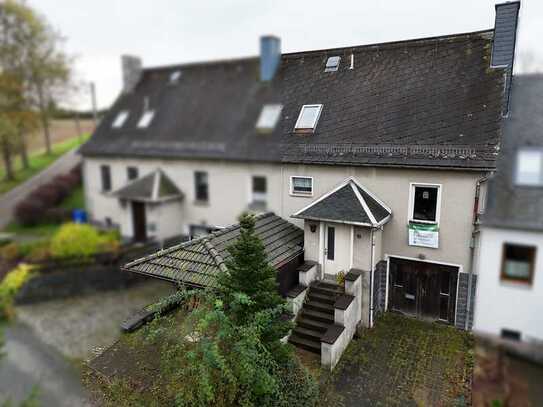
<point>506,305</point>
<point>230,193</point>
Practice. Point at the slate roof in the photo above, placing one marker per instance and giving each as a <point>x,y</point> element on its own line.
<point>510,205</point>
<point>153,187</point>
<point>430,102</point>
<point>348,203</point>
<point>197,262</point>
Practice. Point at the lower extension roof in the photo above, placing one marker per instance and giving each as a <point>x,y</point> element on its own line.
<point>197,262</point>
<point>348,203</point>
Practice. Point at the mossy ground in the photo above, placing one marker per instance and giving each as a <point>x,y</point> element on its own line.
<point>403,362</point>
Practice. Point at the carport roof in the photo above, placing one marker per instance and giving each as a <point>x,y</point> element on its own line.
<point>198,262</point>
<point>349,203</point>
<point>153,187</point>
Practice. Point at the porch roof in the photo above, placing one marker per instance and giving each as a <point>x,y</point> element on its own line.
<point>153,187</point>
<point>349,203</point>
<point>197,262</point>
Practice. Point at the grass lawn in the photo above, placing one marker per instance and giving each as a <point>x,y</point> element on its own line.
<point>403,362</point>
<point>38,162</point>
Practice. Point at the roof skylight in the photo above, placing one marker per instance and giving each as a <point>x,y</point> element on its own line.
<point>146,119</point>
<point>332,64</point>
<point>174,77</point>
<point>269,116</point>
<point>120,119</point>
<point>308,118</point>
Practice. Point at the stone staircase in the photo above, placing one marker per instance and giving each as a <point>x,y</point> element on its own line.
<point>316,315</point>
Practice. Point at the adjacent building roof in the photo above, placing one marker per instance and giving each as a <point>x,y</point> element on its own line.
<point>348,203</point>
<point>197,262</point>
<point>510,205</point>
<point>429,102</point>
<point>153,187</point>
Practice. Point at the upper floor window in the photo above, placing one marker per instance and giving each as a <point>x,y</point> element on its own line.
<point>308,118</point>
<point>132,173</point>
<point>259,189</point>
<point>105,175</point>
<point>529,167</point>
<point>146,119</point>
<point>518,263</point>
<point>120,119</point>
<point>301,186</point>
<point>201,185</point>
<point>424,203</point>
<point>269,116</point>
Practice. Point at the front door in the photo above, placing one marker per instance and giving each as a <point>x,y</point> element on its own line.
<point>139,222</point>
<point>424,290</point>
<point>330,261</point>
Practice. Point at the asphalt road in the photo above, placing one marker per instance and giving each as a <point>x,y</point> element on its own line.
<point>28,363</point>
<point>9,200</point>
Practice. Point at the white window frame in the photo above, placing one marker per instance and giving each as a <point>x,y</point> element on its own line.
<point>332,68</point>
<point>517,180</point>
<point>276,108</point>
<point>308,129</point>
<point>146,119</point>
<point>411,205</point>
<point>308,194</point>
<point>120,119</point>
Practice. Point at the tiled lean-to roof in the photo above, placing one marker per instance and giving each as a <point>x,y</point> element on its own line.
<point>431,102</point>
<point>348,203</point>
<point>153,187</point>
<point>197,262</point>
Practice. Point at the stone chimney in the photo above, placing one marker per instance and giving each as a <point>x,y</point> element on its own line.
<point>132,67</point>
<point>503,47</point>
<point>270,56</point>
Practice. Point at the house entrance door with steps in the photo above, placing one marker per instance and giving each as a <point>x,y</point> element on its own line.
<point>423,289</point>
<point>336,248</point>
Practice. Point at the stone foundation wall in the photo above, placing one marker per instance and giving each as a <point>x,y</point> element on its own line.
<point>462,300</point>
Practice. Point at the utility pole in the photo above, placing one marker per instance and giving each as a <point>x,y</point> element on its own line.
<point>93,96</point>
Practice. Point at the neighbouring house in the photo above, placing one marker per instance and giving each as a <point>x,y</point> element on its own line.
<point>379,152</point>
<point>510,267</point>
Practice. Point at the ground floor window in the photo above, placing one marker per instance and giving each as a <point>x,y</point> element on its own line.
<point>518,263</point>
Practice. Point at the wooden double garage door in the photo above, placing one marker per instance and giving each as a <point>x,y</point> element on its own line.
<point>424,290</point>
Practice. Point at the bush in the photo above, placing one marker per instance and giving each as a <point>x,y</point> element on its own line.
<point>49,194</point>
<point>29,212</point>
<point>9,287</point>
<point>80,241</point>
<point>57,215</point>
<point>10,252</point>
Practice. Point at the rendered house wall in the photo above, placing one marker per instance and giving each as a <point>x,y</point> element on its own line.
<point>507,305</point>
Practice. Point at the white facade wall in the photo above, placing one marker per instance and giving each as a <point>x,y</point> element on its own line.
<point>508,305</point>
<point>230,193</point>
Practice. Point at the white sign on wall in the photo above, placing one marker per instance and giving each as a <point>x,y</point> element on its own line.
<point>423,235</point>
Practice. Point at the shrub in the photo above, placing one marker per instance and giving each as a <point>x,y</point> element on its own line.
<point>29,212</point>
<point>57,215</point>
<point>49,194</point>
<point>9,287</point>
<point>79,240</point>
<point>10,252</point>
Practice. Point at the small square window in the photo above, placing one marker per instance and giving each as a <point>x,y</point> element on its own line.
<point>120,119</point>
<point>530,167</point>
<point>146,119</point>
<point>132,173</point>
<point>269,116</point>
<point>301,186</point>
<point>308,118</point>
<point>425,203</point>
<point>332,64</point>
<point>518,263</point>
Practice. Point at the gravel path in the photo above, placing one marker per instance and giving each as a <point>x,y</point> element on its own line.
<point>80,327</point>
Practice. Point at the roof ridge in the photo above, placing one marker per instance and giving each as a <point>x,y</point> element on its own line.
<point>363,202</point>
<point>181,65</point>
<point>217,258</point>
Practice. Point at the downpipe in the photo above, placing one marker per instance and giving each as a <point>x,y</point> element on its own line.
<point>372,242</point>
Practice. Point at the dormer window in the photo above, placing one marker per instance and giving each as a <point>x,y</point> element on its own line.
<point>332,64</point>
<point>174,77</point>
<point>308,118</point>
<point>269,116</point>
<point>120,119</point>
<point>146,119</point>
<point>530,167</point>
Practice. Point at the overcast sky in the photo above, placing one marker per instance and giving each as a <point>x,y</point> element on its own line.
<point>172,31</point>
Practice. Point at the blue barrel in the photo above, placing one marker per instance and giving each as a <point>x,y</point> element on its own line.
<point>79,216</point>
